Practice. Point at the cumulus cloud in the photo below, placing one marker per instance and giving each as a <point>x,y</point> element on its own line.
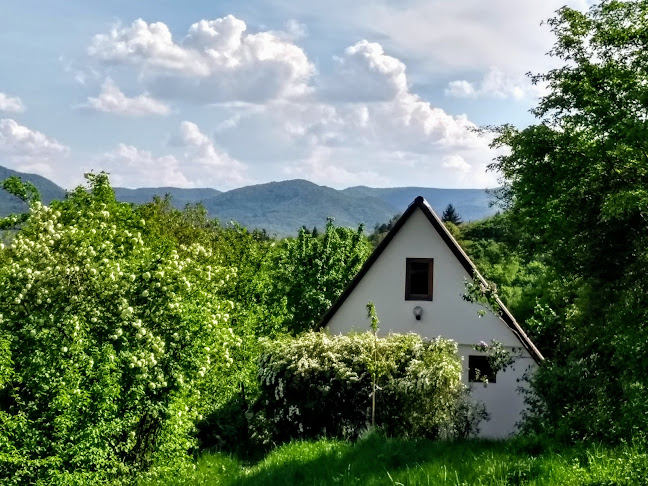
<point>19,141</point>
<point>29,150</point>
<point>11,104</point>
<point>295,30</point>
<point>334,138</point>
<point>201,164</point>
<point>321,166</point>
<point>132,167</point>
<point>275,111</point>
<point>112,100</point>
<point>217,61</point>
<point>461,89</point>
<point>209,162</point>
<point>496,84</point>
<point>366,73</point>
<point>456,162</point>
<point>442,35</point>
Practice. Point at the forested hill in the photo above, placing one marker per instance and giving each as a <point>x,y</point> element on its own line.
<point>180,197</point>
<point>472,204</point>
<point>283,207</point>
<point>10,204</point>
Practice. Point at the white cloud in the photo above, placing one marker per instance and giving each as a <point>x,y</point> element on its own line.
<point>112,100</point>
<point>295,30</point>
<point>321,166</point>
<point>456,162</point>
<point>217,61</point>
<point>201,165</point>
<point>210,163</point>
<point>366,73</point>
<point>440,35</point>
<point>11,103</point>
<point>29,150</point>
<point>132,167</point>
<point>461,89</point>
<point>497,84</point>
<point>19,141</point>
<point>361,121</point>
<point>394,132</point>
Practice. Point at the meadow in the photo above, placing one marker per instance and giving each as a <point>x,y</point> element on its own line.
<point>377,460</point>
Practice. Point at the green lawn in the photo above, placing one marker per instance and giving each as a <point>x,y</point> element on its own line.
<point>376,460</point>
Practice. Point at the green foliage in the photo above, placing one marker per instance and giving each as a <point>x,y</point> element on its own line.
<point>11,203</point>
<point>381,230</point>
<point>499,357</point>
<point>519,279</point>
<point>25,192</point>
<point>576,187</point>
<point>313,271</point>
<point>376,460</point>
<point>319,385</point>
<point>373,317</point>
<point>450,215</point>
<point>108,330</point>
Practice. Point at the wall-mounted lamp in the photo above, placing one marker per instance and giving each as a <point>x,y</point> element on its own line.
<point>418,312</point>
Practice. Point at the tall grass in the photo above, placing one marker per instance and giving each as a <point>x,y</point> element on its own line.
<point>376,460</point>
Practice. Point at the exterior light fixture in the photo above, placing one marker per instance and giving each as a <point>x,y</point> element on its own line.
<point>418,312</point>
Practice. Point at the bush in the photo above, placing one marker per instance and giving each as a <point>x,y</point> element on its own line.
<point>107,332</point>
<point>313,271</point>
<point>320,385</point>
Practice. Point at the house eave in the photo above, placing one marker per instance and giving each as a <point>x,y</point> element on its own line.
<point>453,245</point>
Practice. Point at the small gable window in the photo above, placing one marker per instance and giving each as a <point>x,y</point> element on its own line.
<point>480,370</point>
<point>418,278</point>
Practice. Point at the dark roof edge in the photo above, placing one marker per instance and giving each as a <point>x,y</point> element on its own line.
<point>368,264</point>
<point>421,203</point>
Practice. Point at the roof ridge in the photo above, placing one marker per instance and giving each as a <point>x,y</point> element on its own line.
<point>420,203</point>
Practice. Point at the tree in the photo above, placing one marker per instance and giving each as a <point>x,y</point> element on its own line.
<point>450,215</point>
<point>107,330</point>
<point>575,183</point>
<point>313,271</point>
<point>381,230</point>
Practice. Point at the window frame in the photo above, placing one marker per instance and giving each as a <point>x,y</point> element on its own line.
<point>490,377</point>
<point>408,271</point>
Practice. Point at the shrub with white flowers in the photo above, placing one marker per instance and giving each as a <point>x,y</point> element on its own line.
<point>320,385</point>
<point>106,331</point>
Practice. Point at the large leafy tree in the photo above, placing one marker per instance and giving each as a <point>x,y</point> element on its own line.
<point>107,331</point>
<point>577,186</point>
<point>312,272</point>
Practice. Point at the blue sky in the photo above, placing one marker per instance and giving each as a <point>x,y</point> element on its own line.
<point>224,94</point>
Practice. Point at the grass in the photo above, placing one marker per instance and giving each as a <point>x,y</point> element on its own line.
<point>376,460</point>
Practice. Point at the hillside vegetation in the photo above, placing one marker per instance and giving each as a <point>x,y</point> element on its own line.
<point>143,344</point>
<point>10,204</point>
<point>376,460</point>
<point>281,208</point>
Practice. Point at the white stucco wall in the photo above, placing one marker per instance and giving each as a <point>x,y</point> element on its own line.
<point>447,315</point>
<point>503,400</point>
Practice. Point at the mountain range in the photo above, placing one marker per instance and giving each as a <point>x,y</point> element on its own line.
<point>283,207</point>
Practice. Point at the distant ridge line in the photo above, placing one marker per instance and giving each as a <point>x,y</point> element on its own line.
<point>282,207</point>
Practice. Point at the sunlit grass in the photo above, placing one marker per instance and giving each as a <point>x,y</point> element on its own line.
<point>377,460</point>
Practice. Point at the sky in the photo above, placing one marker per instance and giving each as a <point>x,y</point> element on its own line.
<point>225,94</point>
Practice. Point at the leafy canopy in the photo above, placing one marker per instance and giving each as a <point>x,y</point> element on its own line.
<point>107,330</point>
<point>576,187</point>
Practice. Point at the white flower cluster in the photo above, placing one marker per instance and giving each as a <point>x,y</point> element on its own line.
<point>333,375</point>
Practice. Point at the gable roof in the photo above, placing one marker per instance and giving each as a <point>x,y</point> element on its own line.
<point>457,251</point>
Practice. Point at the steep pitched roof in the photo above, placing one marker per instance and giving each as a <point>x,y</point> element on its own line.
<point>457,251</point>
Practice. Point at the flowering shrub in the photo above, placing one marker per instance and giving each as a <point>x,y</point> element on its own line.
<point>318,385</point>
<point>106,333</point>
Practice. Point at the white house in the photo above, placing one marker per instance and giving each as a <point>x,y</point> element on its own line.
<point>420,268</point>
